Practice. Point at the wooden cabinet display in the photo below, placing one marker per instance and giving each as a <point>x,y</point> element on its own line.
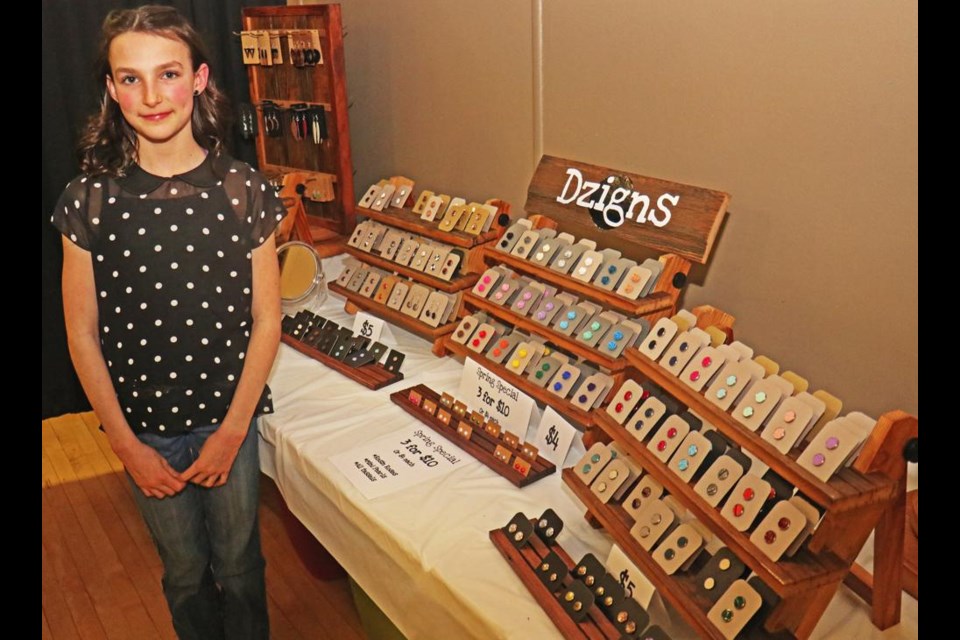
<point>298,88</point>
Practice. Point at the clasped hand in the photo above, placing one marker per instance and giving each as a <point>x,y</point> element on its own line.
<point>157,479</point>
<point>212,466</point>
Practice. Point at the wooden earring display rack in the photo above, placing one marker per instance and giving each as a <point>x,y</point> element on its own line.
<point>662,300</point>
<point>372,376</point>
<point>869,495</point>
<point>471,266</point>
<point>480,444</point>
<point>324,224</point>
<point>688,237</point>
<point>404,218</point>
<point>585,420</point>
<point>524,563</point>
<point>576,415</point>
<point>355,302</point>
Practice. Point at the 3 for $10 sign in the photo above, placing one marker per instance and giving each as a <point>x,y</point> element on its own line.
<point>495,398</point>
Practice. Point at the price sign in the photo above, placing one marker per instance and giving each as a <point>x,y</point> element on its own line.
<point>495,398</point>
<point>367,326</point>
<point>554,437</point>
<point>398,460</point>
<point>635,584</point>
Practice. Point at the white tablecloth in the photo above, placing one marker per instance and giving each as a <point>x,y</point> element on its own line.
<point>423,555</point>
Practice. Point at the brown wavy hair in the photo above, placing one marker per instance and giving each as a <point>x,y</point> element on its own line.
<point>109,144</point>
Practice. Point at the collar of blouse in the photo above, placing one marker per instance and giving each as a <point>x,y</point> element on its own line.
<point>207,174</point>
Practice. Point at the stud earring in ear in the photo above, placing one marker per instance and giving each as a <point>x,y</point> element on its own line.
<point>196,92</point>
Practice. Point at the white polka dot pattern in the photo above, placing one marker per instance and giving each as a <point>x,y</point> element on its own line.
<point>183,320</point>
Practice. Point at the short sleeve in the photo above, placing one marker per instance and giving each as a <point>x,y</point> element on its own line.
<point>76,214</point>
<point>266,209</point>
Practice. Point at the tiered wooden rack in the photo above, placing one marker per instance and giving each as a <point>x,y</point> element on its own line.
<point>695,226</point>
<point>324,223</point>
<point>471,265</point>
<point>854,502</point>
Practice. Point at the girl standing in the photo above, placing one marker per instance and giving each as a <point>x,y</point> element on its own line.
<point>172,306</point>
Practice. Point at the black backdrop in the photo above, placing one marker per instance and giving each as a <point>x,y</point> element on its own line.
<point>70,94</point>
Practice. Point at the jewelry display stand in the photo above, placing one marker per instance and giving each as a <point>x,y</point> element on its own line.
<point>866,496</point>
<point>372,376</point>
<point>318,85</point>
<point>402,218</point>
<point>687,237</point>
<point>474,439</point>
<point>525,563</point>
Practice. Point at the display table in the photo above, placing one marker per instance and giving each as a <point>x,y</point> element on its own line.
<point>423,554</point>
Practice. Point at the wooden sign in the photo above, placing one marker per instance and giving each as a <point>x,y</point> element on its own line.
<point>618,207</point>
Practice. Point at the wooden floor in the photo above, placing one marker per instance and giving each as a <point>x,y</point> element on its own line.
<point>101,574</point>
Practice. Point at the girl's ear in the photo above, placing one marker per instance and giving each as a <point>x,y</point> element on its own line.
<point>111,88</point>
<point>200,77</point>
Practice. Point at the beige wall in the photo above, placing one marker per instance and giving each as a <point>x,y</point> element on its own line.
<point>805,112</point>
<point>441,93</point>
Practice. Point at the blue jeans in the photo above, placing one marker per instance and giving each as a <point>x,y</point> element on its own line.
<point>209,541</point>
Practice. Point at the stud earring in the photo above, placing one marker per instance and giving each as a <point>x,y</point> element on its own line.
<point>196,92</point>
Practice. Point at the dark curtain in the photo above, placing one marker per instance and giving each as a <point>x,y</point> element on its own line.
<point>70,94</point>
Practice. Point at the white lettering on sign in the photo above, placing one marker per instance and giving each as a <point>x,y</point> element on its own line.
<point>612,201</point>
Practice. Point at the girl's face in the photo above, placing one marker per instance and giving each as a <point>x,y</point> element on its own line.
<point>153,83</point>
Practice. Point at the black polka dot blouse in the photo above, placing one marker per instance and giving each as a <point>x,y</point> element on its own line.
<point>172,267</point>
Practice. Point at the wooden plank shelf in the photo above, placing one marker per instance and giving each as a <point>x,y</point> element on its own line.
<point>656,301</point>
<point>568,343</point>
<point>268,12</point>
<point>481,444</point>
<point>372,376</point>
<point>407,220</point>
<point>800,573</point>
<point>694,223</point>
<point>572,413</point>
<point>273,169</point>
<point>524,563</point>
<point>286,104</point>
<point>392,316</point>
<point>679,590</point>
<point>848,489</point>
<point>464,281</point>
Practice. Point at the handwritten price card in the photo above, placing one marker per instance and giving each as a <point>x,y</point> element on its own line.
<point>399,460</point>
<point>635,584</point>
<point>555,437</point>
<point>367,326</point>
<point>486,392</point>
